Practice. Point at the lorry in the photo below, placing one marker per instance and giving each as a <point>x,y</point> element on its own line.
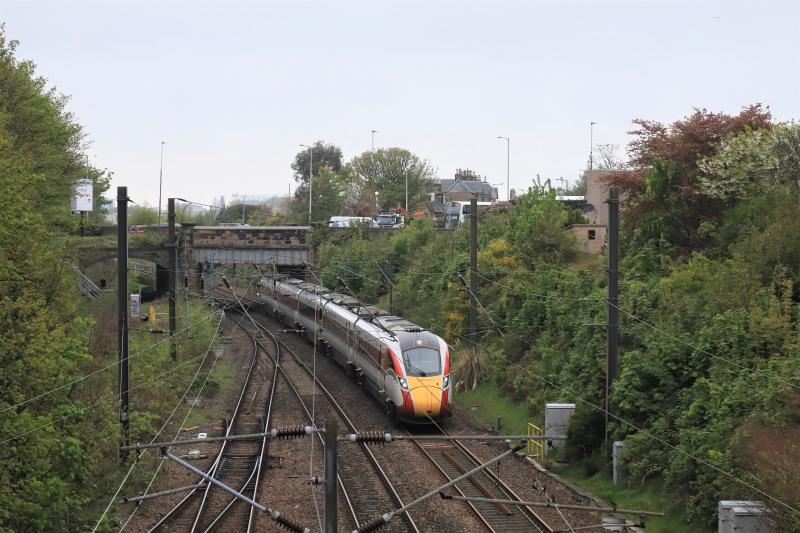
<point>390,220</point>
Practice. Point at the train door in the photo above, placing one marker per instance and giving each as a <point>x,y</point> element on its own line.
<point>351,344</point>
<point>390,385</point>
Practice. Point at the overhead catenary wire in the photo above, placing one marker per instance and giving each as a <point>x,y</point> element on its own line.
<point>642,430</point>
<point>313,408</point>
<point>111,365</point>
<point>697,348</point>
<point>164,425</point>
<point>163,459</point>
<point>640,320</point>
<point>82,409</point>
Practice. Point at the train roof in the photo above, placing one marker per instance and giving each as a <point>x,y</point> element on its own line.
<point>383,319</point>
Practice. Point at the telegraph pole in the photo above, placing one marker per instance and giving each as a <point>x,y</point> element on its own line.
<point>122,310</point>
<point>612,362</point>
<point>473,267</point>
<point>172,245</point>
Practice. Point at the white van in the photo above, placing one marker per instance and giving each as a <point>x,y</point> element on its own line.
<point>346,222</point>
<point>456,213</point>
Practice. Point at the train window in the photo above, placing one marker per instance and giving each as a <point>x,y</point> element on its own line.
<point>422,362</point>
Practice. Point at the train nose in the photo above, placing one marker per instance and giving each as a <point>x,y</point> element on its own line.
<point>426,393</point>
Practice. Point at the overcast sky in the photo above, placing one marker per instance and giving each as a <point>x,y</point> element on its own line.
<point>235,86</point>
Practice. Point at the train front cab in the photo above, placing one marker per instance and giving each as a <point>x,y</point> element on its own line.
<point>425,388</point>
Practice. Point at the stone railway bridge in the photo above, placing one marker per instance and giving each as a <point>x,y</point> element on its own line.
<point>202,248</point>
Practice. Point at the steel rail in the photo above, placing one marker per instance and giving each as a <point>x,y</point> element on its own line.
<point>447,476</point>
<point>293,388</point>
<point>182,503</point>
<point>321,439</point>
<point>264,455</point>
<point>260,461</point>
<point>535,520</point>
<point>533,516</point>
<point>351,426</point>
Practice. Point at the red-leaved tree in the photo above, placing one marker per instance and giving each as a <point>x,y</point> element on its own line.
<point>662,198</point>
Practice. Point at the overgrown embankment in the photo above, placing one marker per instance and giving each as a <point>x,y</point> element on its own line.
<point>709,347</point>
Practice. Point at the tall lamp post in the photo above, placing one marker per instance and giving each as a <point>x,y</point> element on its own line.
<point>160,180</point>
<point>373,139</point>
<point>310,177</point>
<point>591,145</point>
<point>508,166</point>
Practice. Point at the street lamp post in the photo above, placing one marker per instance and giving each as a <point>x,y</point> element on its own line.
<point>373,139</point>
<point>591,145</point>
<point>310,177</point>
<point>508,166</point>
<point>160,180</point>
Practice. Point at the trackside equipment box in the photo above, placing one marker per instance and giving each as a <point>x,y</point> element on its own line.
<point>556,418</point>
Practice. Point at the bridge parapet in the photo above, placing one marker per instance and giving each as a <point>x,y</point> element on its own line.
<point>249,237</point>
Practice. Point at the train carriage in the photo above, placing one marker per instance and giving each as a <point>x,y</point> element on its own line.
<point>402,365</point>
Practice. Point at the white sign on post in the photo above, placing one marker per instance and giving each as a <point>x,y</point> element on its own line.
<point>135,304</point>
<point>84,196</point>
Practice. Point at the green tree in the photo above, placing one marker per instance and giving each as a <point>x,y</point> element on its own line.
<point>386,171</point>
<point>54,470</point>
<point>141,215</point>
<point>661,186</point>
<point>325,155</point>
<point>752,162</point>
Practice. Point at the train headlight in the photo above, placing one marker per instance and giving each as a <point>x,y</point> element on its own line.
<point>403,382</point>
<point>446,381</point>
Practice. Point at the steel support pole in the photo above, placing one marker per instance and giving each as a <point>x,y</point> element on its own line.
<point>331,472</point>
<point>160,180</point>
<point>613,285</point>
<point>122,310</point>
<point>391,285</point>
<point>310,180</point>
<point>406,193</point>
<point>172,244</point>
<point>508,169</point>
<point>612,349</point>
<point>473,267</point>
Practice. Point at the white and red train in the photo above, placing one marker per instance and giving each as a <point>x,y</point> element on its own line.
<point>401,364</point>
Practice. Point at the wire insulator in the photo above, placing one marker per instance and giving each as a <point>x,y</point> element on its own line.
<point>288,523</point>
<point>377,437</point>
<point>288,432</point>
<point>373,525</point>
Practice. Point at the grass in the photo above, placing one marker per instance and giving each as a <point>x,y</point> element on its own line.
<point>647,497</point>
<point>486,403</point>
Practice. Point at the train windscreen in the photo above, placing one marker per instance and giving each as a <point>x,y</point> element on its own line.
<point>422,362</point>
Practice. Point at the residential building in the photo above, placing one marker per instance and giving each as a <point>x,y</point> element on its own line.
<point>462,187</point>
<point>596,208</point>
<point>589,238</point>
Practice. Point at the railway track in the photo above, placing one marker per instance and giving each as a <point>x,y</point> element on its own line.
<point>238,464</point>
<point>366,495</point>
<point>452,459</point>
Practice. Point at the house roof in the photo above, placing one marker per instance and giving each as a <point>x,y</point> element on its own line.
<point>436,207</point>
<point>474,187</point>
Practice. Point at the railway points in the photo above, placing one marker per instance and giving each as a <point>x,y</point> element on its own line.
<point>373,479</point>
